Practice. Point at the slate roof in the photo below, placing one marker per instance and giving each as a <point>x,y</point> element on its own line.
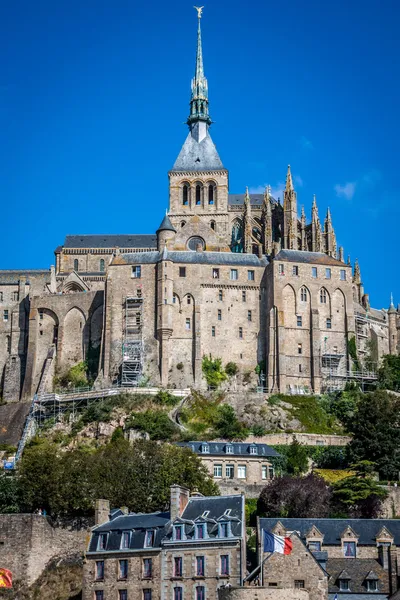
<point>198,156</point>
<point>366,529</point>
<point>12,277</point>
<point>239,449</point>
<point>255,199</point>
<point>190,257</point>
<point>301,256</point>
<point>111,241</point>
<point>166,225</point>
<point>356,570</point>
<point>137,523</point>
<point>216,507</point>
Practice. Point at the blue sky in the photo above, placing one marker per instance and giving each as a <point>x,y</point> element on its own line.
<point>94,95</point>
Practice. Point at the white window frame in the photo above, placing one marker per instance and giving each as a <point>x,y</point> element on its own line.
<point>218,471</point>
<point>343,276</point>
<point>228,473</point>
<point>137,272</point>
<point>234,275</point>
<point>242,472</point>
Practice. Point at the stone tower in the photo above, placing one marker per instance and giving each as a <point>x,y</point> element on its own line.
<point>198,181</point>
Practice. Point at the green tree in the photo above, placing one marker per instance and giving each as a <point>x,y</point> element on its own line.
<point>154,422</point>
<point>231,369</point>
<point>297,458</point>
<point>227,425</point>
<point>389,373</point>
<point>376,433</point>
<point>9,494</point>
<point>359,496</point>
<point>213,371</point>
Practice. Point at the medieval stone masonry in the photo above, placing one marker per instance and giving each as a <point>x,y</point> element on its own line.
<point>237,276</point>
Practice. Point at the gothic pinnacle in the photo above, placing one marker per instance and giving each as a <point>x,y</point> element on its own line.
<point>199,98</point>
<point>289,181</point>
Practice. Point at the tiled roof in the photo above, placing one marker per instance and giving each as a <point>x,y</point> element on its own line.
<point>220,448</point>
<point>187,257</point>
<point>111,241</point>
<point>356,571</point>
<point>301,256</point>
<point>332,529</point>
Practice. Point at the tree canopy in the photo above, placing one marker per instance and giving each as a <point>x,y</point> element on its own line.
<point>136,475</point>
<point>376,433</point>
<point>300,497</point>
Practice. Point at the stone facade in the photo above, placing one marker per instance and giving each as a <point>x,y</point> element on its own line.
<point>29,542</point>
<point>121,549</point>
<point>238,276</point>
<point>261,593</point>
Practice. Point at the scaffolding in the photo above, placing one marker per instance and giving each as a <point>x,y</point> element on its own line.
<point>335,374</point>
<point>132,347</point>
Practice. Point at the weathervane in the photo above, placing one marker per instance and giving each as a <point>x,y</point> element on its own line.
<point>199,10</point>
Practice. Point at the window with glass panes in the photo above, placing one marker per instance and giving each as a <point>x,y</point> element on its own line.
<point>178,566</point>
<point>99,569</point>
<point>123,569</point>
<point>217,470</point>
<point>147,567</point>
<point>200,566</point>
<point>225,564</point>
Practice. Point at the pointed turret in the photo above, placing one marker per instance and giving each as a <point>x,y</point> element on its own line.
<point>392,306</point>
<point>303,229</point>
<point>266,221</point>
<point>165,233</point>
<point>392,317</point>
<point>247,226</point>
<point>290,213</point>
<point>199,98</point>
<point>316,232</point>
<point>330,238</point>
<point>357,273</point>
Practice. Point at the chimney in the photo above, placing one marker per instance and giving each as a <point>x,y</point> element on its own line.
<point>102,512</point>
<point>179,499</point>
<point>124,510</point>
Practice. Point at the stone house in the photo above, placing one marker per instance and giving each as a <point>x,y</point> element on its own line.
<point>238,276</point>
<point>186,553</point>
<point>236,467</point>
<point>359,557</point>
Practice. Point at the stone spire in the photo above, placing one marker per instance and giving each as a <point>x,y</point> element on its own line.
<point>316,232</point>
<point>290,213</point>
<point>247,227</point>
<point>391,307</point>
<point>303,229</point>
<point>330,238</point>
<point>199,97</point>
<point>357,273</point>
<point>393,334</point>
<point>266,221</point>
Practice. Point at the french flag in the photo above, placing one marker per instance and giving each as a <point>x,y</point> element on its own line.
<point>277,543</point>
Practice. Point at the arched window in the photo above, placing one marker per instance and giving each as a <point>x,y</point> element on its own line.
<point>198,194</point>
<point>211,194</point>
<point>303,294</point>
<point>185,194</point>
<point>322,296</point>
<point>183,223</point>
<point>212,225</point>
<point>102,264</point>
<point>76,264</point>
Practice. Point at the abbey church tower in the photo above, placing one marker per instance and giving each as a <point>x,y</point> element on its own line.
<point>198,181</point>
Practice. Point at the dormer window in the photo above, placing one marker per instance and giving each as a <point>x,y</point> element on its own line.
<point>372,585</point>
<point>125,539</point>
<point>344,585</point>
<point>349,549</point>
<point>229,449</point>
<point>200,531</point>
<point>253,450</point>
<point>205,448</point>
<point>205,514</point>
<point>149,539</point>
<point>314,546</point>
<point>178,532</point>
<point>223,530</point>
<point>102,542</point>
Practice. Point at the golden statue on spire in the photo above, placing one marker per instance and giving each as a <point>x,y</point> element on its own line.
<point>199,10</point>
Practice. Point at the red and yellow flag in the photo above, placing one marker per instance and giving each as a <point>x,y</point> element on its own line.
<point>5,578</point>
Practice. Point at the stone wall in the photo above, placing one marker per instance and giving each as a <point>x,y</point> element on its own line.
<point>261,593</point>
<point>391,506</point>
<point>12,421</point>
<point>28,542</point>
<point>308,439</point>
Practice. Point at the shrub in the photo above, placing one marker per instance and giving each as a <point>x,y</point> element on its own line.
<point>179,366</point>
<point>213,371</point>
<point>258,430</point>
<point>227,425</point>
<point>166,399</point>
<point>231,369</point>
<point>154,422</point>
<point>75,377</point>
